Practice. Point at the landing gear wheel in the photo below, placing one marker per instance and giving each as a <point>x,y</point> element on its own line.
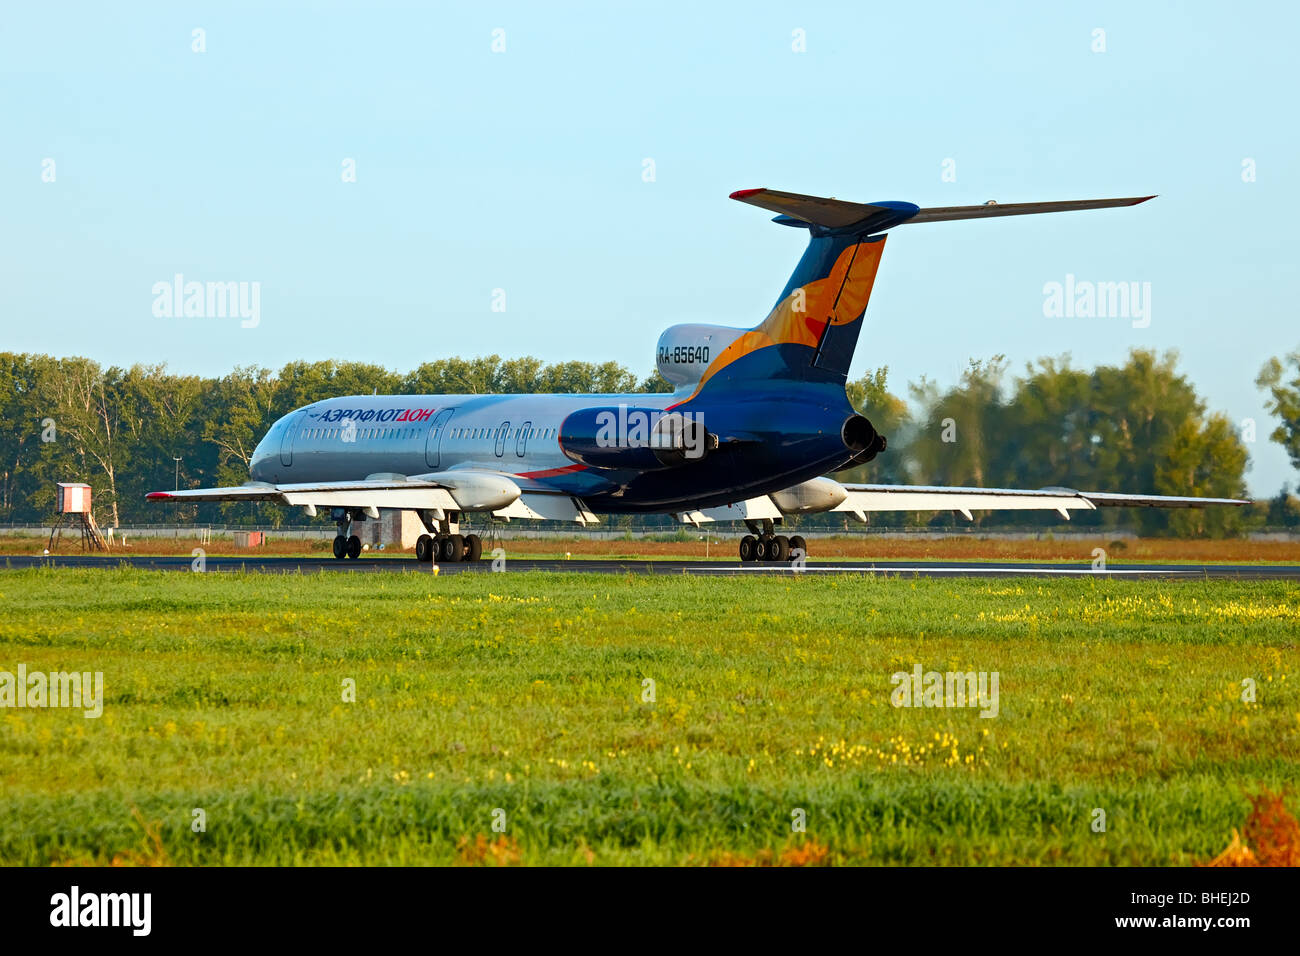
<point>424,548</point>
<point>354,547</point>
<point>797,542</point>
<point>451,548</point>
<point>473,547</point>
<point>778,548</point>
<point>761,549</point>
<point>749,548</point>
<point>340,546</point>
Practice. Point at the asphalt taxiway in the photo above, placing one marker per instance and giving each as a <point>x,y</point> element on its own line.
<point>926,569</point>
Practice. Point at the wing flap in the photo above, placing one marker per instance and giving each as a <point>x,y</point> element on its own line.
<point>1111,500</point>
<point>542,506</point>
<point>407,499</point>
<point>752,509</point>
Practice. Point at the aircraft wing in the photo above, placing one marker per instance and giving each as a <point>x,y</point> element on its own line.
<point>368,493</point>
<point>827,494</point>
<point>860,499</point>
<point>252,491</point>
<point>462,490</point>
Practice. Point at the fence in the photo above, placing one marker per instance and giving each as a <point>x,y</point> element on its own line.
<point>205,533</point>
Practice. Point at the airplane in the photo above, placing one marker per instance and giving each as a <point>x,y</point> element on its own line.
<point>757,421</point>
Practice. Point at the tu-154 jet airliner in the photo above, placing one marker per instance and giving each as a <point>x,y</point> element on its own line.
<point>758,418</point>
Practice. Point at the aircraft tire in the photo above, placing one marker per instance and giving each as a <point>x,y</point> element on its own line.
<point>797,541</point>
<point>473,547</point>
<point>354,547</point>
<point>749,548</point>
<point>778,548</point>
<point>340,547</point>
<point>424,548</point>
<point>452,548</point>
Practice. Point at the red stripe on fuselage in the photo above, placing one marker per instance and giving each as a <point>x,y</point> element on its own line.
<point>551,472</point>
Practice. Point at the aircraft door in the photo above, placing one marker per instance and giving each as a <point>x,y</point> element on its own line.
<point>503,432</point>
<point>433,441</point>
<point>521,446</point>
<point>286,440</point>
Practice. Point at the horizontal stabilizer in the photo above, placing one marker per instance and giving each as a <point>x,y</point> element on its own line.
<point>827,213</point>
<point>836,214</point>
<point>991,209</point>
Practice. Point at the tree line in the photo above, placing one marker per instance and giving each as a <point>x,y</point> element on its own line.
<point>1138,427</point>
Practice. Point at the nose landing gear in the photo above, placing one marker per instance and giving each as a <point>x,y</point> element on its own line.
<point>346,544</point>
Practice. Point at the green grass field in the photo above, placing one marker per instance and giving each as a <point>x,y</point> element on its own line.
<point>523,692</point>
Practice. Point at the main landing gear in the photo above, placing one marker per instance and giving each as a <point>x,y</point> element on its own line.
<point>766,545</point>
<point>445,544</point>
<point>447,548</point>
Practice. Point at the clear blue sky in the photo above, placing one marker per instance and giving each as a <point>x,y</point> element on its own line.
<point>522,170</point>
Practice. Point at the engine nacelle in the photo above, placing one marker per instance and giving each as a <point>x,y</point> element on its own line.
<point>861,440</point>
<point>810,497</point>
<point>476,490</point>
<point>639,439</point>
<point>685,351</point>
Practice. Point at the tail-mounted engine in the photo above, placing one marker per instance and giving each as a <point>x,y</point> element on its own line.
<point>862,441</point>
<point>638,439</point>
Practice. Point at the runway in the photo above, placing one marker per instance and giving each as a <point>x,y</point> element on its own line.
<point>925,569</point>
